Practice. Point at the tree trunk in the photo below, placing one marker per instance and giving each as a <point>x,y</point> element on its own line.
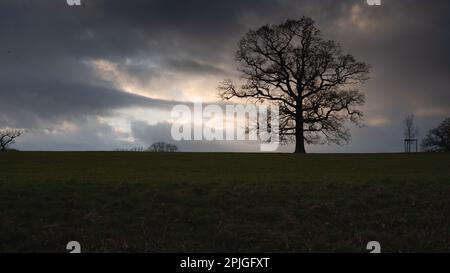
<point>299,144</point>
<point>299,137</point>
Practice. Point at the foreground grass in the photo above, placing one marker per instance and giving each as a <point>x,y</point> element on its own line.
<point>113,201</point>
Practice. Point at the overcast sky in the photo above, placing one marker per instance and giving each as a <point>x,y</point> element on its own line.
<point>105,75</point>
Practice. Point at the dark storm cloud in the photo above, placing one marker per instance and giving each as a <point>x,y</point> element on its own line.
<point>408,48</point>
<point>61,100</point>
<point>181,34</point>
<point>192,66</point>
<point>89,134</point>
<point>47,48</point>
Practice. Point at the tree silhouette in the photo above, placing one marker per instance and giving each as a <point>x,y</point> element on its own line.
<point>438,139</point>
<point>310,79</point>
<point>8,136</point>
<point>410,131</point>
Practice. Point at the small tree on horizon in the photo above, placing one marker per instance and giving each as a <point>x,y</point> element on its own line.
<point>438,139</point>
<point>308,77</point>
<point>8,137</point>
<point>410,130</point>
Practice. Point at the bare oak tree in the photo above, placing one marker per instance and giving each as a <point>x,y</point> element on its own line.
<point>311,80</point>
<point>8,136</point>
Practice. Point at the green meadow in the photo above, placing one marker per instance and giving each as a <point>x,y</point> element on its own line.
<point>223,202</point>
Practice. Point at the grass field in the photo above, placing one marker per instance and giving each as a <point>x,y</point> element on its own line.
<point>154,202</point>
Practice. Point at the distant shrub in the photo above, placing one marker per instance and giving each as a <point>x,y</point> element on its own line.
<point>133,149</point>
<point>162,147</point>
